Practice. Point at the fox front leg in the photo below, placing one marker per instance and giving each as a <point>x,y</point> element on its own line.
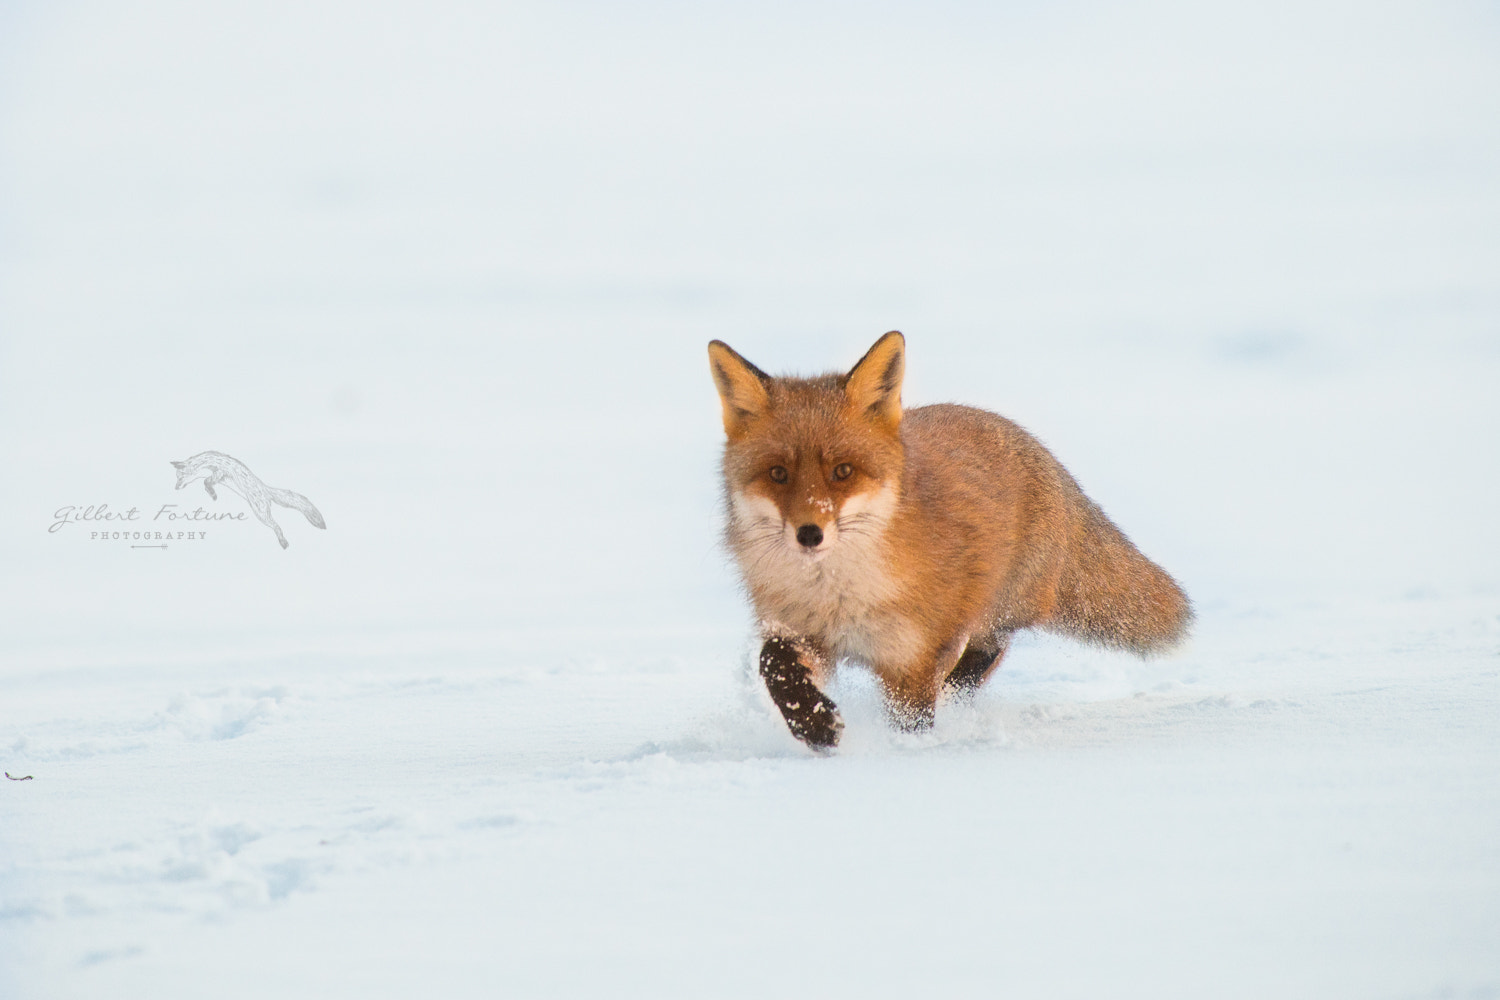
<point>911,703</point>
<point>911,692</point>
<point>810,714</point>
<point>959,668</point>
<point>208,483</point>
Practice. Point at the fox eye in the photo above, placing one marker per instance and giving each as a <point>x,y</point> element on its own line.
<point>778,473</point>
<point>843,470</point>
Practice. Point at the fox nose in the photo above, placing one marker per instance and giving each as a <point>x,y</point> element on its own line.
<point>810,536</point>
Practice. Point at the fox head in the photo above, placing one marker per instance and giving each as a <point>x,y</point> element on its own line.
<point>810,461</point>
<point>189,471</point>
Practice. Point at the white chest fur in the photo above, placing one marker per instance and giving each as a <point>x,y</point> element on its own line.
<point>844,595</point>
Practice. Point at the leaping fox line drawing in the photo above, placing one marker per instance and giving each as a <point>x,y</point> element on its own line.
<point>914,541</point>
<point>215,467</point>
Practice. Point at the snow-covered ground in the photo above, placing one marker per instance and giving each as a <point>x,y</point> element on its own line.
<point>450,270</point>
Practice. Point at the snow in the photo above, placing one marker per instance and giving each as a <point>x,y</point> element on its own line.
<point>450,271</point>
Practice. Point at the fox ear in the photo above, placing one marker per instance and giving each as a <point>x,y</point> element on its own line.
<point>741,385</point>
<point>873,386</point>
<point>178,465</point>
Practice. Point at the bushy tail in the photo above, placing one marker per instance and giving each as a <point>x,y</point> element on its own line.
<point>297,501</point>
<point>1112,595</point>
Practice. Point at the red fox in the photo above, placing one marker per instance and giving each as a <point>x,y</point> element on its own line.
<point>215,467</point>
<point>913,541</point>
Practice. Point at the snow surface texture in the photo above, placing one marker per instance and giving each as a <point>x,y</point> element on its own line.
<point>450,270</point>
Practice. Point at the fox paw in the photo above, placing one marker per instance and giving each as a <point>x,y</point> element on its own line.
<point>911,718</point>
<point>818,724</point>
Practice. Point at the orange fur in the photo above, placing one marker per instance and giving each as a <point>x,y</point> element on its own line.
<point>941,531</point>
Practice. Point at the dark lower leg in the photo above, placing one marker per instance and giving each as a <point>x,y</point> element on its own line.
<point>976,664</point>
<point>811,716</point>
